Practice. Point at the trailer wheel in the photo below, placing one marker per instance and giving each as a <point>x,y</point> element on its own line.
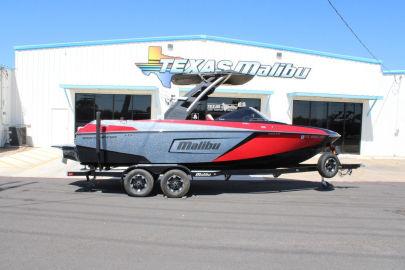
<point>175,183</point>
<point>328,165</point>
<point>138,183</point>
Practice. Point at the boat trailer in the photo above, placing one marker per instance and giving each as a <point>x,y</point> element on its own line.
<point>139,179</point>
<point>158,169</point>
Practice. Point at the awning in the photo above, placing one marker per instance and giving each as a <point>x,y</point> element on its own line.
<point>108,87</point>
<point>334,96</point>
<point>338,96</point>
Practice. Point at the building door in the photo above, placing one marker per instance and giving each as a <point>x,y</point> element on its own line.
<point>342,117</point>
<point>59,126</point>
<point>111,106</point>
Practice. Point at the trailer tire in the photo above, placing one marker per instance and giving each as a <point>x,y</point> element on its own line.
<point>175,183</point>
<point>328,165</point>
<point>138,183</point>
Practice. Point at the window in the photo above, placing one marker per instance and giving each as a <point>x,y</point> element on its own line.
<point>317,116</point>
<point>353,116</point>
<point>301,113</point>
<point>343,117</point>
<point>84,109</point>
<point>141,107</point>
<point>112,106</point>
<point>104,104</point>
<point>123,107</point>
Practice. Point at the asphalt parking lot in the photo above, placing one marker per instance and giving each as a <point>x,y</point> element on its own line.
<point>245,224</point>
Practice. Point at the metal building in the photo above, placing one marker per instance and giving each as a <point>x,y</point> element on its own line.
<point>60,86</point>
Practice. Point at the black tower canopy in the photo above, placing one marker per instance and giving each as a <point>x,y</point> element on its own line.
<point>206,85</point>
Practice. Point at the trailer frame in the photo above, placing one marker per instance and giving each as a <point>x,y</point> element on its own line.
<point>158,169</point>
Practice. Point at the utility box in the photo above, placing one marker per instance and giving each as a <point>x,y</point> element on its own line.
<point>17,136</point>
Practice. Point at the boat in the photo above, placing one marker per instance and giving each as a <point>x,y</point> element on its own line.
<point>244,139</point>
<point>240,139</point>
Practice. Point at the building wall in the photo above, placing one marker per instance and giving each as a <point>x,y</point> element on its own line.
<point>41,72</point>
<point>385,126</point>
<point>8,103</point>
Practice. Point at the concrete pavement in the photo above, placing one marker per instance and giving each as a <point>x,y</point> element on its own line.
<point>35,162</point>
<point>282,224</point>
<point>46,162</point>
<point>50,222</point>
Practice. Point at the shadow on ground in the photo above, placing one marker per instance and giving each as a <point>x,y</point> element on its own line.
<point>206,187</point>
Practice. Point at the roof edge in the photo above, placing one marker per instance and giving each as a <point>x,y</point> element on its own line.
<point>5,67</point>
<point>105,42</point>
<point>196,37</point>
<point>294,49</point>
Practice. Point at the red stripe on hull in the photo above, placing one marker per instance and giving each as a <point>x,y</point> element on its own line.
<point>269,144</point>
<point>267,127</point>
<point>91,128</point>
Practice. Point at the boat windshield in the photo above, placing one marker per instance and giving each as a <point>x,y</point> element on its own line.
<point>247,114</point>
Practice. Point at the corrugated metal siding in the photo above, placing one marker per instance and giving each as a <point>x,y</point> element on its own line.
<point>40,73</point>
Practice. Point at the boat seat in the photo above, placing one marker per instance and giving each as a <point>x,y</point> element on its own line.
<point>209,117</point>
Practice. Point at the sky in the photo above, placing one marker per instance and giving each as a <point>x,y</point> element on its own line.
<point>310,24</point>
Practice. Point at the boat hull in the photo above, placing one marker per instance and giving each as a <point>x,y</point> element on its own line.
<point>200,144</point>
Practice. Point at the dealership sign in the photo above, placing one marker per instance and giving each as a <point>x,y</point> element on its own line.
<point>195,66</point>
<point>165,66</point>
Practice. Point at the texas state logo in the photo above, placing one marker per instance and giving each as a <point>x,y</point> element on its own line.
<point>154,65</point>
<point>165,66</point>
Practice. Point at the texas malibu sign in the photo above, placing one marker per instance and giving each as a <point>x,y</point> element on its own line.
<point>165,66</point>
<point>195,66</point>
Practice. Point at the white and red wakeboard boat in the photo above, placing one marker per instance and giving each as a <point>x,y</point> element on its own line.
<point>244,139</point>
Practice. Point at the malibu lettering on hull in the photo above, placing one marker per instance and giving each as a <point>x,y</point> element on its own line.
<point>195,146</point>
<point>203,145</point>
